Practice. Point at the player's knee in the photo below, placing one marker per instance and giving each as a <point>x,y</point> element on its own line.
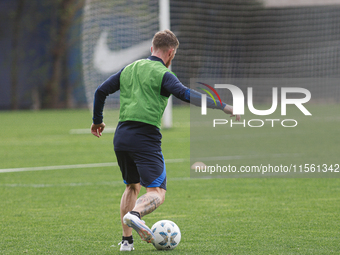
<point>135,188</point>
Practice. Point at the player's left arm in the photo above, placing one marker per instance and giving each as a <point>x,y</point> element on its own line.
<point>171,85</point>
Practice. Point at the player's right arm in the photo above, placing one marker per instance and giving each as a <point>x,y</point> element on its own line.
<point>97,129</point>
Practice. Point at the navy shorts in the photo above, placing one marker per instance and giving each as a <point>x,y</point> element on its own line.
<point>146,168</point>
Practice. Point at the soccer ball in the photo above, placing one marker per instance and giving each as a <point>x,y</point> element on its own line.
<point>167,235</point>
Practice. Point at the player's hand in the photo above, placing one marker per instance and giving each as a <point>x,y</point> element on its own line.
<point>97,129</point>
<point>228,109</point>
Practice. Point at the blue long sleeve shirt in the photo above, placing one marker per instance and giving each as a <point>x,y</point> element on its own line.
<point>170,85</point>
<point>136,136</point>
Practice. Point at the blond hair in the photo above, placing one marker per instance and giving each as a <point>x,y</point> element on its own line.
<point>164,40</point>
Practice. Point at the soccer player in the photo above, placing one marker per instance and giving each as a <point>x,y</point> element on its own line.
<point>145,86</point>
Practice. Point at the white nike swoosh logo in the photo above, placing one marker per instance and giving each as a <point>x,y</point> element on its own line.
<point>107,61</point>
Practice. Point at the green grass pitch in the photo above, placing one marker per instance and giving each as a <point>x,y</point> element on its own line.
<point>76,211</point>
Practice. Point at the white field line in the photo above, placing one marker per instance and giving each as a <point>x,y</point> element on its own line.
<point>94,165</point>
<point>8,170</point>
<point>44,168</point>
<point>88,131</point>
<point>111,183</point>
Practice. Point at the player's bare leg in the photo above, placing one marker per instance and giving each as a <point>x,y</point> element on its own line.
<point>127,203</point>
<point>147,203</point>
